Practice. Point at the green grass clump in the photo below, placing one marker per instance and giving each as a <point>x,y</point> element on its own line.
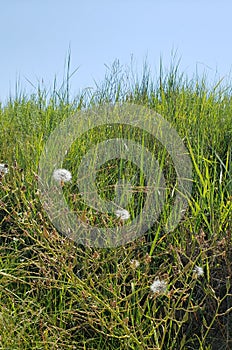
<point>55,294</point>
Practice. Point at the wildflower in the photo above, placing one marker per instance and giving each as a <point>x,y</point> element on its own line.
<point>147,258</point>
<point>123,214</point>
<point>3,169</point>
<point>62,175</point>
<point>198,271</point>
<point>159,286</point>
<point>134,263</point>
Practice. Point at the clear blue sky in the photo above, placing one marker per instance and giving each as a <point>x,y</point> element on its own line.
<point>36,35</point>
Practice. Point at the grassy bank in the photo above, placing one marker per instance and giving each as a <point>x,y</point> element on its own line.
<point>55,294</point>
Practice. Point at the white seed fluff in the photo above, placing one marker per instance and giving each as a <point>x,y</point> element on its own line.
<point>3,168</point>
<point>62,175</point>
<point>198,271</point>
<point>134,263</point>
<point>159,286</point>
<point>123,214</point>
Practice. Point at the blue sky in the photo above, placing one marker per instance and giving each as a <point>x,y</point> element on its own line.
<point>36,36</point>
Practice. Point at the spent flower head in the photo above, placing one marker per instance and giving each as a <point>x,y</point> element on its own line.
<point>159,286</point>
<point>62,175</point>
<point>3,168</point>
<point>134,263</point>
<point>198,271</point>
<point>123,214</point>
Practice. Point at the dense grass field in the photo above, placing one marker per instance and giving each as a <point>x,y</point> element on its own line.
<point>164,290</point>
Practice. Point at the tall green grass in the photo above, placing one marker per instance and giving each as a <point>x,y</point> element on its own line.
<point>55,294</point>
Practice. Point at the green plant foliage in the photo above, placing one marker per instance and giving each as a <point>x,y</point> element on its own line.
<point>55,294</point>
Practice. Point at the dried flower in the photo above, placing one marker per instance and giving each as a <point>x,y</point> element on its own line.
<point>159,286</point>
<point>62,175</point>
<point>123,214</point>
<point>96,255</point>
<point>147,258</point>
<point>198,271</point>
<point>134,263</point>
<point>3,169</point>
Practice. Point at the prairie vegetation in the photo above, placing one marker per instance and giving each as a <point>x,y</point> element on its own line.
<point>161,291</point>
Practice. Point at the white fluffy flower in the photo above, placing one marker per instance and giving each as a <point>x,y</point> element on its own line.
<point>62,175</point>
<point>3,169</point>
<point>198,271</point>
<point>123,214</point>
<point>134,263</point>
<point>159,286</point>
